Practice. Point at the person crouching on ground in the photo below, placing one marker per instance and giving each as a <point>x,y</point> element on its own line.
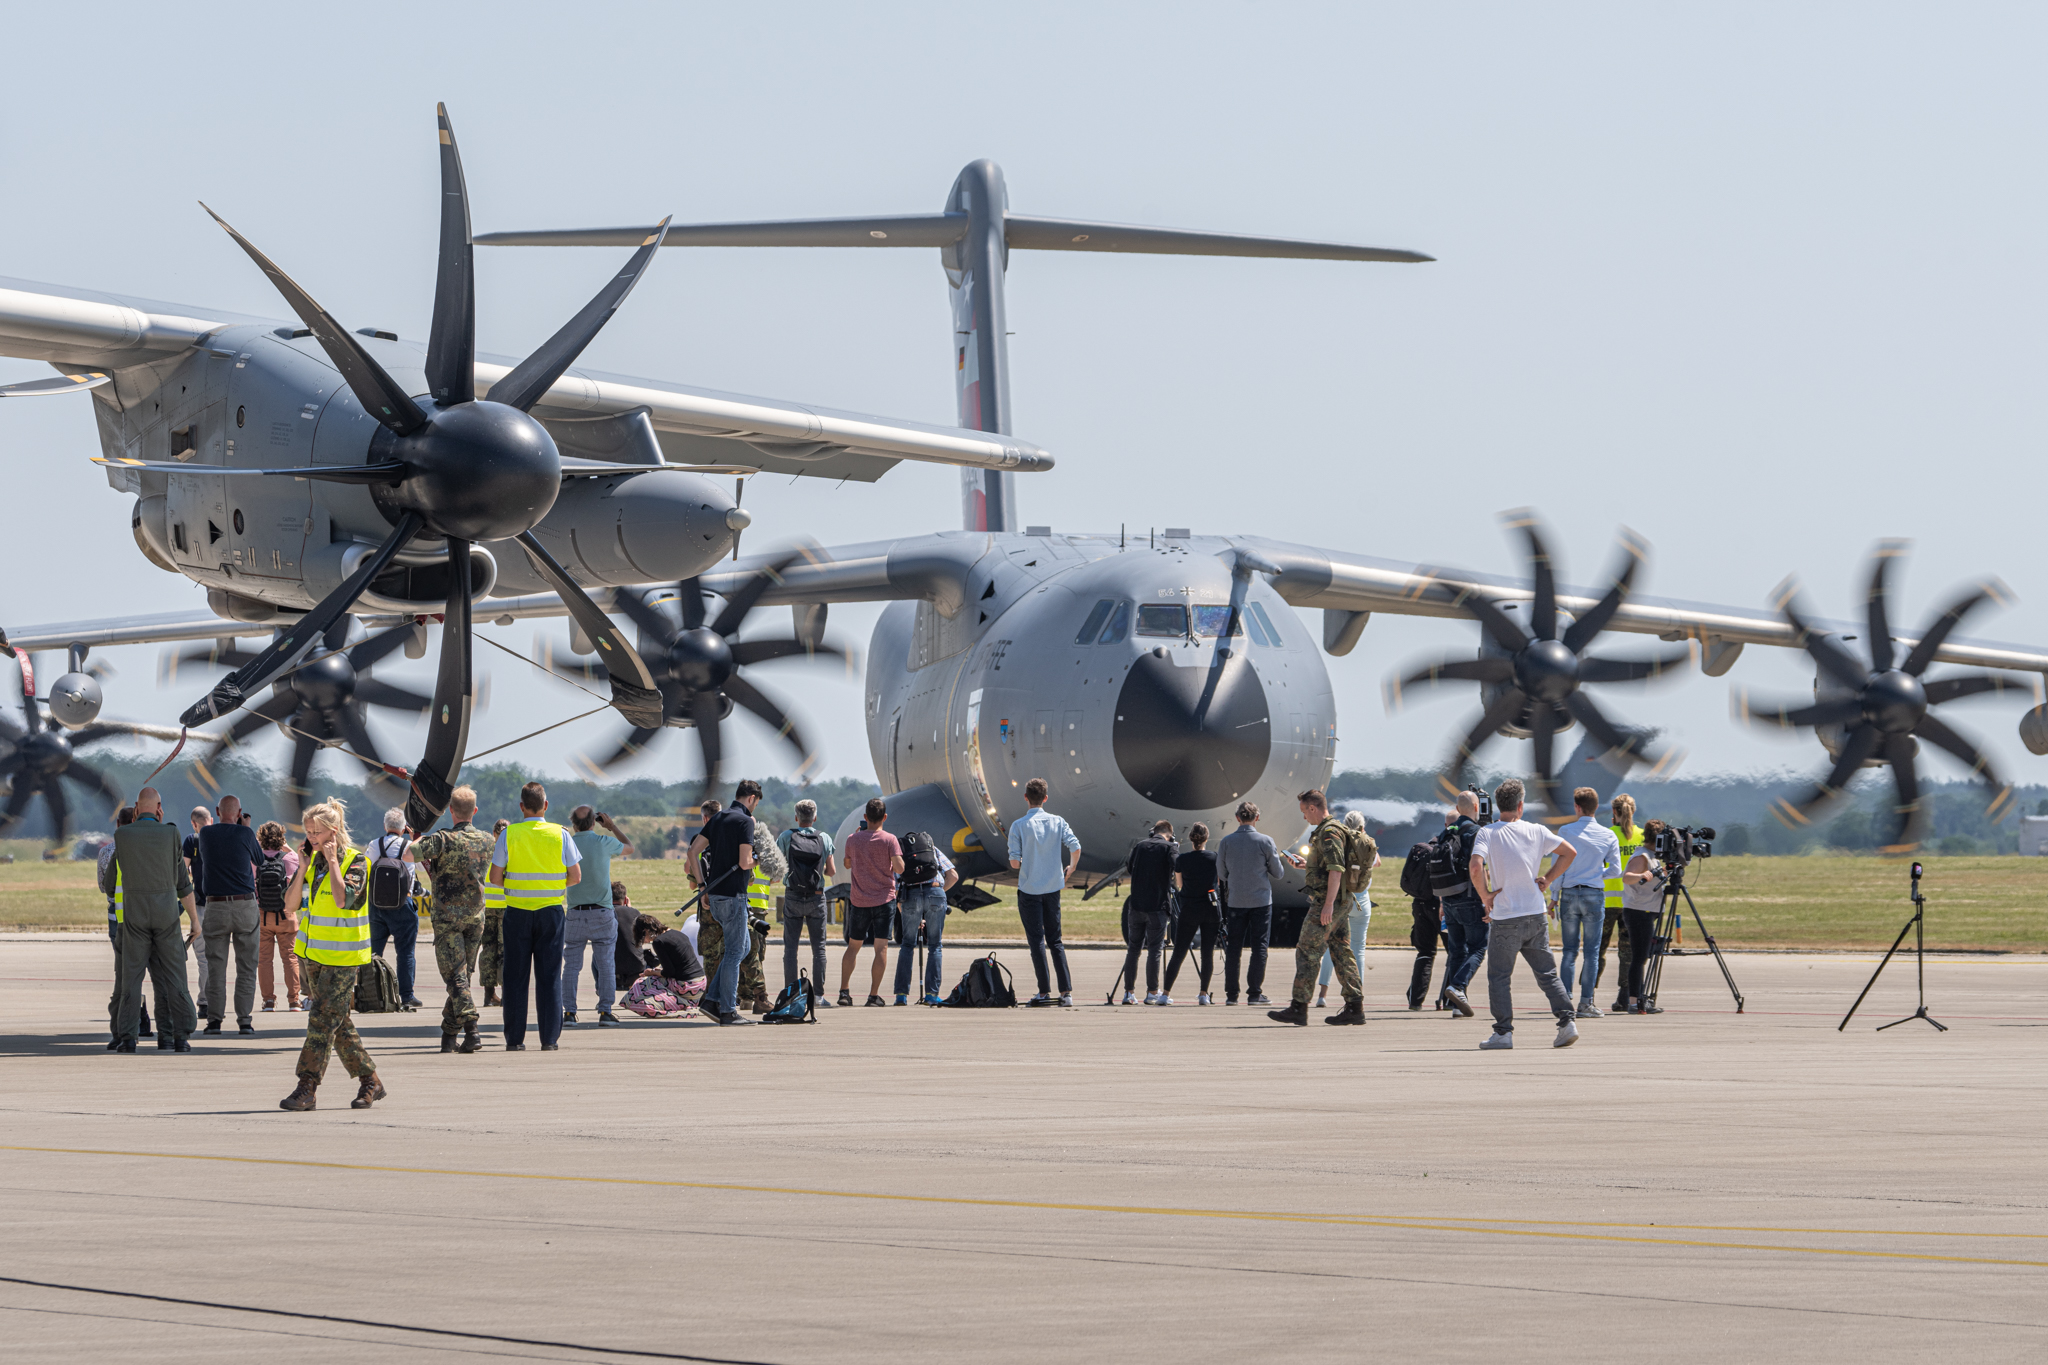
<point>1505,857</point>
<point>334,941</point>
<point>672,983</point>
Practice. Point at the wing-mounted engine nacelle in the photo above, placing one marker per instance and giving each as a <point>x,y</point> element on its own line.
<point>1518,612</point>
<point>415,583</point>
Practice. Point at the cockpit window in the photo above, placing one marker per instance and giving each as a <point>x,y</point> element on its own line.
<point>1158,619</point>
<point>1093,624</point>
<point>1119,625</point>
<point>1213,621</point>
<point>1258,614</point>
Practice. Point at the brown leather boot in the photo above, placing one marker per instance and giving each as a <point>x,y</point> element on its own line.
<point>490,996</point>
<point>370,1091</point>
<point>301,1099</point>
<point>470,1042</point>
<point>447,1042</point>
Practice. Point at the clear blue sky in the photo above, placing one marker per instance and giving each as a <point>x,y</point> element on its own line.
<point>1762,281</point>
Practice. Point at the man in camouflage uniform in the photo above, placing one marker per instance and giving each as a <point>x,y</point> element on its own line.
<point>458,863</point>
<point>1328,922</point>
<point>769,868</point>
<point>490,972</point>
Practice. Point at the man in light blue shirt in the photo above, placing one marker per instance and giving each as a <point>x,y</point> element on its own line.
<point>1582,895</point>
<point>1043,854</point>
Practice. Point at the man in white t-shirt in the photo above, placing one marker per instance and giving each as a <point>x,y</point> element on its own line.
<point>1506,861</point>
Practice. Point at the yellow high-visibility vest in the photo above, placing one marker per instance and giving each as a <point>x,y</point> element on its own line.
<point>494,897</point>
<point>120,911</point>
<point>535,875</point>
<point>329,932</point>
<point>761,891</point>
<point>1631,844</point>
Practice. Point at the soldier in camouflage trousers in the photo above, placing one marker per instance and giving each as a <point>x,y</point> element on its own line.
<point>1330,852</point>
<point>458,863</point>
<point>490,972</point>
<point>753,987</point>
<point>332,922</point>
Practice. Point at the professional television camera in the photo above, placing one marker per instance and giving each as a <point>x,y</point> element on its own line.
<point>1677,847</point>
<point>1485,816</point>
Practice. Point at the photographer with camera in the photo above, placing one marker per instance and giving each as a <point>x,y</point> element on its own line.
<point>1642,899</point>
<point>1464,916</point>
<point>589,921</point>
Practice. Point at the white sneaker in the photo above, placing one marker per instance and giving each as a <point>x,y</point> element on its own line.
<point>1589,1010</point>
<point>1458,1001</point>
<point>1131,998</point>
<point>1164,999</point>
<point>1497,1042</point>
<point>1066,1000</point>
<point>1567,1034</point>
<point>1151,997</point>
<point>1203,999</point>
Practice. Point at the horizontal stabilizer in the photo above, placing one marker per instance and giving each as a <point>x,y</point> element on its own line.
<point>944,229</point>
<point>63,383</point>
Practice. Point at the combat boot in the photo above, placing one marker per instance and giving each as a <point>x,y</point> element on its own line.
<point>301,1099</point>
<point>369,1091</point>
<point>1352,1013</point>
<point>470,1042</point>
<point>490,996</point>
<point>1295,1013</point>
<point>447,1042</point>
<point>758,1005</point>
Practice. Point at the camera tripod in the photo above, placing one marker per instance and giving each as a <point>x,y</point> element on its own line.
<point>1915,923</point>
<point>1669,919</point>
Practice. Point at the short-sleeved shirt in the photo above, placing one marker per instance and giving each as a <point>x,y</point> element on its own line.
<point>1512,851</point>
<point>944,865</point>
<point>597,848</point>
<point>228,854</point>
<point>868,854</point>
<point>458,863</point>
<point>193,856</point>
<point>500,856</point>
<point>1151,863</point>
<point>1197,869</point>
<point>727,832</point>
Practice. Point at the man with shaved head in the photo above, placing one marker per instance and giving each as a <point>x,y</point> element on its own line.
<point>155,886</point>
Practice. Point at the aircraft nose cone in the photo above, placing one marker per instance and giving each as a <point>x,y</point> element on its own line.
<point>1177,755</point>
<point>1894,701</point>
<point>479,471</point>
<point>325,683</point>
<point>700,659</point>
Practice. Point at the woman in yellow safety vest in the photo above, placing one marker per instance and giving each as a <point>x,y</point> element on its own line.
<point>1630,835</point>
<point>334,941</point>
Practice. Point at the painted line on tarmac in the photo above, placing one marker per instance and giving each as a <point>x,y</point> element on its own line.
<point>1490,1227</point>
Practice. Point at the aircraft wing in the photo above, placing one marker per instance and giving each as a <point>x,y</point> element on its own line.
<point>76,329</point>
<point>165,628</point>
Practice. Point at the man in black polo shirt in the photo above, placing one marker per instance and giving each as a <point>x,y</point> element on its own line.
<point>226,868</point>
<point>727,847</point>
<point>1151,868</point>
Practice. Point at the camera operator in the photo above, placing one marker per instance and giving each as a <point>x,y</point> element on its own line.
<point>1151,863</point>
<point>1642,897</point>
<point>1465,923</point>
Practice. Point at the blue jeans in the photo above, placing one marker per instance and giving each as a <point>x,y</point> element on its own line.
<point>1581,913</point>
<point>926,905</point>
<point>722,995</point>
<point>1465,927</point>
<point>533,958</point>
<point>1361,920</point>
<point>599,927</point>
<point>402,926</point>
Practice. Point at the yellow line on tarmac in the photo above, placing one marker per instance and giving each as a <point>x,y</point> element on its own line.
<point>1471,1225</point>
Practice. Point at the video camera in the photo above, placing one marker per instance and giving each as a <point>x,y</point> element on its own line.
<point>1485,816</point>
<point>1677,847</point>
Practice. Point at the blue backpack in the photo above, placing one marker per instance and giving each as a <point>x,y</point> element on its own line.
<point>798,1003</point>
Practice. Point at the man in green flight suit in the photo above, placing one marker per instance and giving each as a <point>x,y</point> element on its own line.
<point>155,887</point>
<point>458,862</point>
<point>1328,922</point>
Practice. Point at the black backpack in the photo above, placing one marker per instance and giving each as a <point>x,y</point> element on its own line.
<point>986,986</point>
<point>387,876</point>
<point>806,856</point>
<point>377,989</point>
<point>798,1003</point>
<point>920,859</point>
<point>1415,878</point>
<point>1450,864</point>
<point>271,881</point>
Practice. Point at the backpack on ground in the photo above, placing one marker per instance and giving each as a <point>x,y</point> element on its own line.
<point>806,857</point>
<point>798,1003</point>
<point>986,986</point>
<point>387,876</point>
<point>377,989</point>
<point>271,880</point>
<point>1450,874</point>
<point>920,858</point>
<point>1415,882</point>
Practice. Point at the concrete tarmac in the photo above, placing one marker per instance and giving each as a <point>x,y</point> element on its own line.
<point>1096,1183</point>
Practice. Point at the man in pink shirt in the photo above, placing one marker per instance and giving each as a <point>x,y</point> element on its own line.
<point>873,857</point>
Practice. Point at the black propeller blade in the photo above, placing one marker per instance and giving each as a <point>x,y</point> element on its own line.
<point>1532,676</point>
<point>451,466</point>
<point>698,668</point>
<point>1870,715</point>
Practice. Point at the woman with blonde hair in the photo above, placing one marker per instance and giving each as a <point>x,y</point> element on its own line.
<point>1630,835</point>
<point>333,942</point>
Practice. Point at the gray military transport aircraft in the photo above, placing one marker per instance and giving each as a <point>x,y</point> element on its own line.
<point>1169,676</point>
<point>1166,675</point>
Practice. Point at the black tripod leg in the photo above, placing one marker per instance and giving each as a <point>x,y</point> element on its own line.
<point>1903,930</point>
<point>1714,948</point>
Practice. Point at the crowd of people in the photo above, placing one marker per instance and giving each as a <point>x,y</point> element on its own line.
<point>519,906</point>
